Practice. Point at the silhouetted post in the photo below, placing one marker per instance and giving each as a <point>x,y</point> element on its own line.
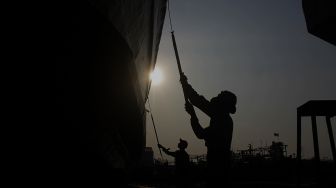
<point>298,148</point>
<point>316,147</point>
<point>331,138</point>
<point>315,138</point>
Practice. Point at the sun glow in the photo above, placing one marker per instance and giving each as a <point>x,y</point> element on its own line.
<point>156,76</point>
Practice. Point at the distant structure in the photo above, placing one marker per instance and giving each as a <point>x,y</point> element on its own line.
<point>198,159</point>
<point>276,151</point>
<point>321,19</point>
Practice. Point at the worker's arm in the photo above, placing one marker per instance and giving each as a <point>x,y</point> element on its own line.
<point>198,100</point>
<point>166,150</point>
<point>196,127</point>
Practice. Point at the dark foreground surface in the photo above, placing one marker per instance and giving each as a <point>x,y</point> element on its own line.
<point>251,174</point>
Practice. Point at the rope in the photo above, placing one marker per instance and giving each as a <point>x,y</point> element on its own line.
<point>157,138</point>
<point>180,72</point>
<point>150,109</point>
<point>170,22</point>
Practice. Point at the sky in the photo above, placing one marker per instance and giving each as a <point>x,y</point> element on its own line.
<point>261,51</point>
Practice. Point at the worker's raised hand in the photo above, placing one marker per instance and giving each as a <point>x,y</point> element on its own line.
<point>189,108</point>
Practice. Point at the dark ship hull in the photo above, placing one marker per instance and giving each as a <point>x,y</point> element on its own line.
<point>105,50</point>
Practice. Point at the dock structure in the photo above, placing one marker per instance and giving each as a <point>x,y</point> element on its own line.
<point>314,108</point>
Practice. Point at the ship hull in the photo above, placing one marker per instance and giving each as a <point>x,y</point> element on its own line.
<point>105,51</point>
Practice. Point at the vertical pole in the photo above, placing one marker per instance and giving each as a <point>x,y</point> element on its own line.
<point>316,148</point>
<point>157,138</point>
<point>298,148</point>
<point>176,53</point>
<point>156,135</point>
<point>179,67</point>
<point>178,62</point>
<point>331,138</point>
<point>315,139</point>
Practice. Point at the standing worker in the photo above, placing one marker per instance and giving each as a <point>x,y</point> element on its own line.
<point>181,162</point>
<point>218,135</point>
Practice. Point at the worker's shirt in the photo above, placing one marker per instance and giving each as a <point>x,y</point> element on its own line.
<point>181,160</point>
<point>218,135</point>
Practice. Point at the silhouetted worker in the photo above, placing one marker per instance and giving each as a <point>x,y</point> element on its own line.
<point>218,135</point>
<point>182,162</point>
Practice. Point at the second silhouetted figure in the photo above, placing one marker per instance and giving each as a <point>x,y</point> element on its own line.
<point>182,162</point>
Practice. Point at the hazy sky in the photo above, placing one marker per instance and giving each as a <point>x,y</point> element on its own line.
<point>261,51</point>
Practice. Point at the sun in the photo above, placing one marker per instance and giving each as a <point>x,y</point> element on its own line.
<point>156,76</point>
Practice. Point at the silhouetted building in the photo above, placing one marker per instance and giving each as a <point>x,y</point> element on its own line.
<point>277,150</point>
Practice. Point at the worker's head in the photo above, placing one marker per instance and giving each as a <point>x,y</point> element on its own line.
<point>225,102</point>
<point>182,144</point>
